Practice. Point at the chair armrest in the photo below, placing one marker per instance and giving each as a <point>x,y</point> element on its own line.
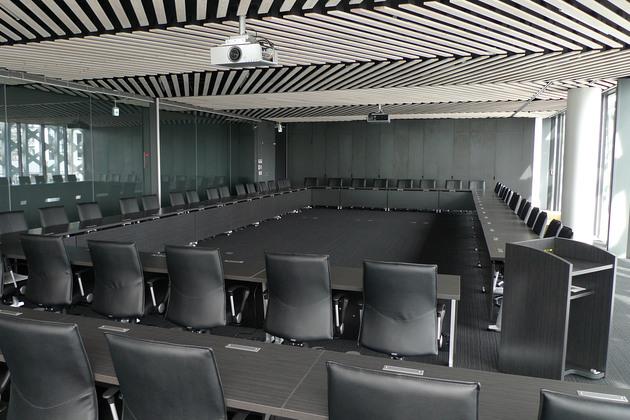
<point>151,281</point>
<point>237,313</point>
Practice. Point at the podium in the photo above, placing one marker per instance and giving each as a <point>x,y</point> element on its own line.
<point>557,309</point>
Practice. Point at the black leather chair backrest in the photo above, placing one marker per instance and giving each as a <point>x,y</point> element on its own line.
<point>49,270</point>
<point>250,188</point>
<point>57,178</point>
<point>477,184</point>
<point>176,198</point>
<point>150,202</point>
<point>404,184</point>
<point>40,179</point>
<point>505,192</point>
<point>71,178</point>
<point>524,212</point>
<point>300,300</point>
<point>224,192</point>
<point>261,187</point>
<point>284,184</point>
<point>497,187</point>
<point>427,184</point>
<point>334,182</point>
<point>24,180</point>
<point>399,308</point>
<point>118,279</point>
<point>566,232</point>
<point>508,196</point>
<point>514,201</point>
<point>51,377</point>
<point>557,406</point>
<point>520,207</point>
<point>310,181</point>
<point>89,211</point>
<point>197,293</point>
<point>53,216</point>
<point>358,183</point>
<point>212,193</point>
<point>192,197</point>
<point>12,221</point>
<point>240,190</point>
<point>553,228</point>
<point>539,224</point>
<point>362,394</point>
<point>380,183</point>
<point>533,215</point>
<point>129,205</point>
<point>453,184</point>
<point>273,186</point>
<point>166,381</point>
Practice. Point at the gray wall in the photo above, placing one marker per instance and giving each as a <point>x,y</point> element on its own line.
<point>488,149</point>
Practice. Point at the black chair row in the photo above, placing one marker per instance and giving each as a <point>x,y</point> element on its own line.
<point>532,216</point>
<point>40,179</point>
<point>161,380</point>
<point>424,184</point>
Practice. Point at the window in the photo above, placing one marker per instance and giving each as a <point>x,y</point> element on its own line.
<point>605,163</point>
<point>556,155</point>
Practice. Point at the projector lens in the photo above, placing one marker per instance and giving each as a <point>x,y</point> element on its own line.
<point>235,54</point>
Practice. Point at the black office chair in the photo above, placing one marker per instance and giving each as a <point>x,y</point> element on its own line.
<point>553,229</point>
<point>284,184</point>
<point>224,192</point>
<point>334,182</point>
<point>176,198</point>
<point>356,393</point>
<point>71,178</point>
<point>24,180</point>
<point>261,187</point>
<point>150,202</point>
<point>212,194</point>
<point>310,181</point>
<point>520,207</point>
<point>57,179</point>
<point>404,184</point>
<point>428,184</point>
<point>166,381</point>
<point>533,215</point>
<point>40,179</point>
<point>129,206</point>
<point>89,211</point>
<point>197,289</point>
<point>514,201</point>
<point>53,216</point>
<point>497,187</point>
<point>380,183</point>
<point>50,278</point>
<point>525,211</point>
<point>358,183</point>
<point>9,285</point>
<point>240,190</point>
<point>539,224</point>
<point>192,197</point>
<point>557,406</point>
<point>399,316</point>
<point>566,232</point>
<point>119,283</point>
<point>453,184</point>
<point>51,377</point>
<point>250,189</point>
<point>508,197</point>
<point>299,297</point>
<point>12,221</point>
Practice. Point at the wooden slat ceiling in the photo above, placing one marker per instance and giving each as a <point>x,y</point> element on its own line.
<point>517,50</point>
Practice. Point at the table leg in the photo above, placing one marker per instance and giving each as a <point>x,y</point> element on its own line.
<point>452,343</point>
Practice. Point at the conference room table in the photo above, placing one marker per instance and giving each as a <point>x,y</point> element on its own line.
<point>291,382</point>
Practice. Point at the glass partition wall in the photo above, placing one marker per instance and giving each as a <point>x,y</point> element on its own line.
<point>60,146</point>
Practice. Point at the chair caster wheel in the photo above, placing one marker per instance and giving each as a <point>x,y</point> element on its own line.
<point>89,298</point>
<point>161,308</point>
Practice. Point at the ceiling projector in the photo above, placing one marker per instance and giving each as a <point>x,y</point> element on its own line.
<point>378,116</point>
<point>244,50</point>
